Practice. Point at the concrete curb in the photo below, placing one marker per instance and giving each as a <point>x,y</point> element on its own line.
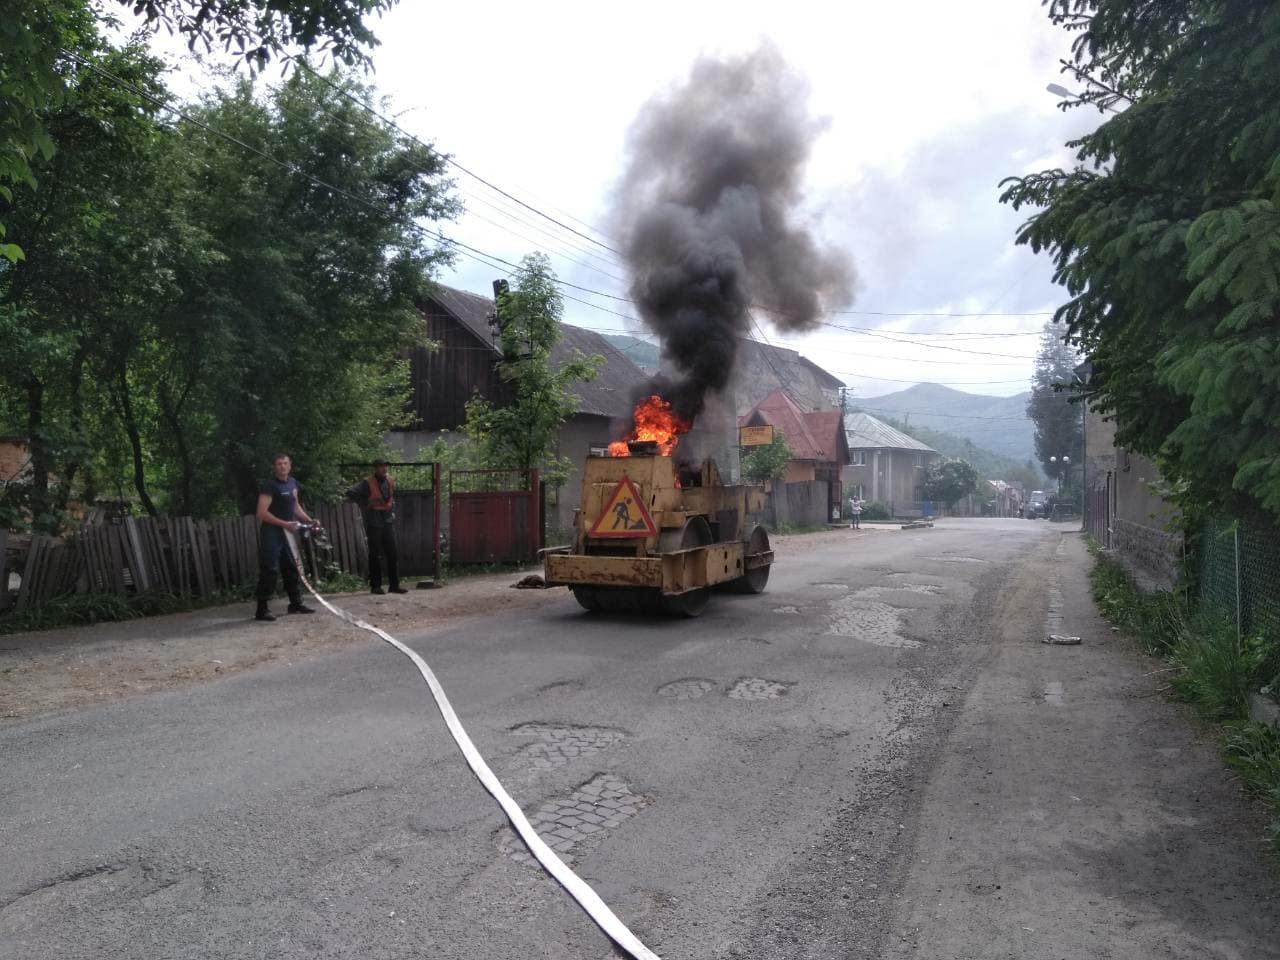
<point>1264,710</point>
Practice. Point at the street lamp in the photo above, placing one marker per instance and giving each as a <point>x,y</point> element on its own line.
<point>1066,465</point>
<point>1060,91</point>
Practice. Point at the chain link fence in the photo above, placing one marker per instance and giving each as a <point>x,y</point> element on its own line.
<point>1240,570</point>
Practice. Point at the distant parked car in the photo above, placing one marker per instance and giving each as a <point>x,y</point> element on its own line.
<point>1037,505</point>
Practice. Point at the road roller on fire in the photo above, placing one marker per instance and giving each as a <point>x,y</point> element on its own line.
<point>655,534</point>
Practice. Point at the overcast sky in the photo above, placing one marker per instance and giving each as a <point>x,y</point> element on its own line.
<point>928,106</point>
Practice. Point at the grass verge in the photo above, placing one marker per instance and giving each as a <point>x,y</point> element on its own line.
<point>1210,668</point>
<point>86,609</point>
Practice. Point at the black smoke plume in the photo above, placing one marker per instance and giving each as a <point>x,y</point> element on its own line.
<point>707,217</point>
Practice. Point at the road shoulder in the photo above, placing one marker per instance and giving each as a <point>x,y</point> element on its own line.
<point>1074,813</point>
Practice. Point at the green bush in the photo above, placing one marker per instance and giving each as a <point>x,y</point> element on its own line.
<point>1211,671</point>
<point>1253,751</point>
<point>876,510</point>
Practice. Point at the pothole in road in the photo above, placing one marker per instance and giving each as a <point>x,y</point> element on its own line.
<point>569,823</point>
<point>756,688</point>
<point>956,559</point>
<point>690,688</point>
<point>830,586</point>
<point>786,609</point>
<point>870,621</point>
<point>563,743</point>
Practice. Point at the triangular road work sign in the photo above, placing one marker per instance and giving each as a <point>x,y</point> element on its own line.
<point>624,514</point>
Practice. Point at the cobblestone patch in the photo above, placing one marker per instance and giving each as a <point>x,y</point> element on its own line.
<point>830,586</point>
<point>786,609</point>
<point>690,688</point>
<point>928,589</point>
<point>561,743</point>
<point>754,688</point>
<point>870,621</point>
<point>568,824</point>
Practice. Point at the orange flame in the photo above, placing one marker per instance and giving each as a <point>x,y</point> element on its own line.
<point>655,422</point>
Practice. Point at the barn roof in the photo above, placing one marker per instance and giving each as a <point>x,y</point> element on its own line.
<point>608,395</point>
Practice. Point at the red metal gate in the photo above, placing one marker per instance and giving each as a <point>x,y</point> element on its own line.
<point>494,516</point>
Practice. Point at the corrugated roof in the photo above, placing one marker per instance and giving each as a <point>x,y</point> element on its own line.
<point>471,309</point>
<point>762,368</point>
<point>617,381</point>
<point>864,431</point>
<point>608,395</point>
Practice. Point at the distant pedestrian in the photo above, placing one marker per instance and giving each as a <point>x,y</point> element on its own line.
<point>855,512</point>
<point>278,507</point>
<point>377,496</point>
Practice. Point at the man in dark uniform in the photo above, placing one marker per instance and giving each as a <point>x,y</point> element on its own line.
<point>377,495</point>
<point>278,507</point>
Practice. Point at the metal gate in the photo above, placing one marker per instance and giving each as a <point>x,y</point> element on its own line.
<point>494,516</point>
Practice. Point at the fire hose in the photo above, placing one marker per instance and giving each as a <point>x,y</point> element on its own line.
<point>576,887</point>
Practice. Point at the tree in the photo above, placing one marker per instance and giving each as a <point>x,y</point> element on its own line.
<point>522,432</point>
<point>1059,433</point>
<point>40,45</point>
<point>291,335</point>
<point>1166,235</point>
<point>767,462</point>
<point>948,481</point>
<point>65,314</point>
<point>243,308</point>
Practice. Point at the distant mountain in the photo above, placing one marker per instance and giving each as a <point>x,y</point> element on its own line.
<point>640,352</point>
<point>990,466</point>
<point>997,424</point>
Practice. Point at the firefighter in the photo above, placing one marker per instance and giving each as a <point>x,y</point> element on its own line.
<point>278,511</point>
<point>377,496</point>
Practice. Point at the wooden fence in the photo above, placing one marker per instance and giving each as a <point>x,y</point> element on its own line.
<point>176,555</point>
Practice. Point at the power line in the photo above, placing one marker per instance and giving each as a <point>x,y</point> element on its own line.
<point>344,93</point>
<point>488,259</point>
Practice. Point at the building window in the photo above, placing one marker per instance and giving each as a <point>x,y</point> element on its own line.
<point>918,494</point>
<point>919,459</point>
<point>859,458</point>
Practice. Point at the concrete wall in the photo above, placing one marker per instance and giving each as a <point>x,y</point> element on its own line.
<point>889,476</point>
<point>1139,517</point>
<point>1099,449</point>
<point>797,504</point>
<point>799,471</point>
<point>13,457</point>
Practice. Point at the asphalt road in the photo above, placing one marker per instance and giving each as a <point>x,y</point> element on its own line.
<point>750,783</point>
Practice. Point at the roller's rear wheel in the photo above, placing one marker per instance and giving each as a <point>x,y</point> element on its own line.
<point>754,581</point>
<point>694,533</point>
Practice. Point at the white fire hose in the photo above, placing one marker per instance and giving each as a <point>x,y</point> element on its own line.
<point>590,901</point>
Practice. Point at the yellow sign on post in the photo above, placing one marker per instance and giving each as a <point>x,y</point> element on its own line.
<point>624,514</point>
<point>755,436</point>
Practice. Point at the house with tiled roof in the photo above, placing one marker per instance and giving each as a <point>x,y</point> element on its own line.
<point>817,442</point>
<point>885,464</point>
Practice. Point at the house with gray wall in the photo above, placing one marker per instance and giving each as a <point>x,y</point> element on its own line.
<point>885,465</point>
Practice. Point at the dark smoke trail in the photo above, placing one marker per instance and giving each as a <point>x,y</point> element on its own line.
<point>706,215</point>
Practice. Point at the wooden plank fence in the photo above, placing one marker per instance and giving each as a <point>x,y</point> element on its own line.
<point>169,554</point>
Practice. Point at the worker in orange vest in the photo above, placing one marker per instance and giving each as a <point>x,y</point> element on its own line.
<point>376,494</point>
